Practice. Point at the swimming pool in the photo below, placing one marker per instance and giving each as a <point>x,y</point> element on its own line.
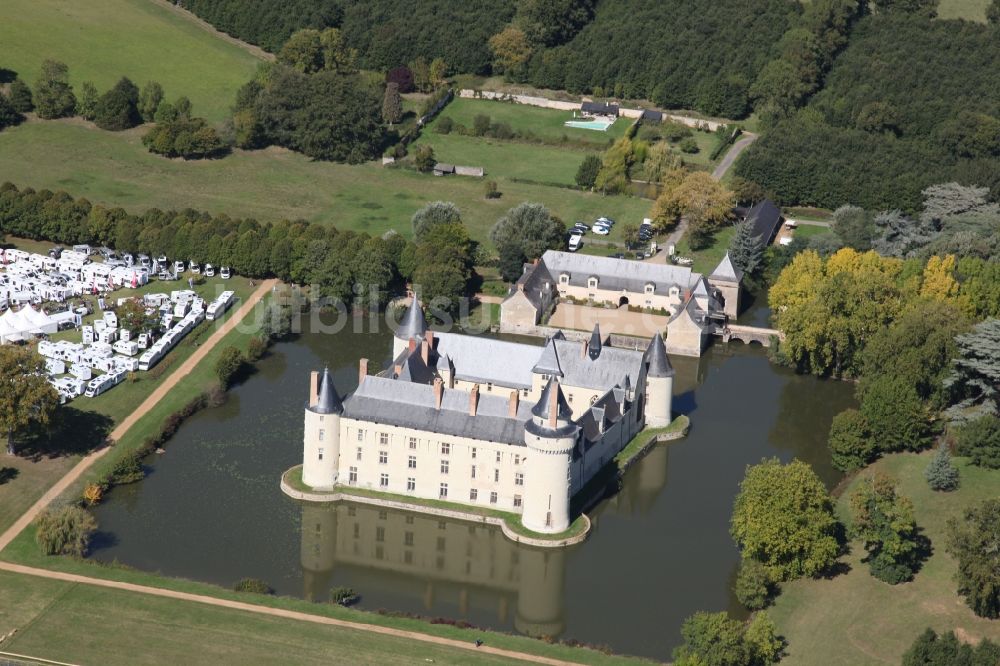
<point>599,125</point>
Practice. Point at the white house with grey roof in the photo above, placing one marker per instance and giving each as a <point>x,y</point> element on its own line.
<point>691,301</point>
<point>483,422</point>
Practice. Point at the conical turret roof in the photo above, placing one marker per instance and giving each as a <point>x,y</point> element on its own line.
<point>413,324</point>
<point>328,401</point>
<point>552,395</point>
<point>548,362</point>
<point>656,356</point>
<point>594,348</point>
<point>727,271</point>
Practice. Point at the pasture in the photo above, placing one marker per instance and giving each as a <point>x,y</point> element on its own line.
<point>272,184</point>
<point>103,40</point>
<point>970,10</point>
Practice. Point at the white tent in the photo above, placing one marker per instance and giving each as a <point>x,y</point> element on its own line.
<point>24,323</point>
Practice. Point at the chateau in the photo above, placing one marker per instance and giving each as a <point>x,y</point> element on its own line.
<point>692,302</point>
<point>483,422</point>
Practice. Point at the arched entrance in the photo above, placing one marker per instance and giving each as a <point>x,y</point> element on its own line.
<point>623,301</point>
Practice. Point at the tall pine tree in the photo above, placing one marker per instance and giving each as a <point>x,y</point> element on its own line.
<point>941,474</point>
<point>746,250</point>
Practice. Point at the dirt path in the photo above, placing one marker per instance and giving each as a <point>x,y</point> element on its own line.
<point>255,51</point>
<point>150,402</point>
<point>732,154</point>
<point>281,612</point>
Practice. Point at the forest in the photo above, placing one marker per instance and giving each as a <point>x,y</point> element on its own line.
<point>909,102</point>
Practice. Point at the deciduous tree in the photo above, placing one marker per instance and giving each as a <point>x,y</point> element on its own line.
<point>586,175</point>
<point>979,439</point>
<point>432,215</point>
<point>392,104</point>
<point>65,531</point>
<point>972,541</point>
<point>86,106</point>
<point>851,444</point>
<point>530,226</point>
<point>149,100</point>
<point>20,96</point>
<point>883,520</point>
<point>53,94</point>
<point>26,397</point>
<point>117,109</point>
<point>511,51</point>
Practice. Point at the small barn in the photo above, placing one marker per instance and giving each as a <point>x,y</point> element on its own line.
<point>442,169</point>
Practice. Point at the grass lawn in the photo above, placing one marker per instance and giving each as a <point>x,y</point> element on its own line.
<point>855,619</point>
<point>23,481</point>
<point>546,124</point>
<point>115,169</point>
<point>706,259</point>
<point>807,231</point>
<point>508,159</point>
<point>103,40</point>
<point>70,622</point>
<point>970,10</point>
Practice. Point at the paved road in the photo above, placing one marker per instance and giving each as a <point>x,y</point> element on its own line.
<point>734,152</point>
<point>161,391</point>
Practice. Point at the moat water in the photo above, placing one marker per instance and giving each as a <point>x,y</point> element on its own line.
<point>211,510</point>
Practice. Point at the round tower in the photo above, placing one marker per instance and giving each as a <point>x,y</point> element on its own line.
<point>412,325</point>
<point>659,384</point>
<point>550,436</point>
<point>321,445</point>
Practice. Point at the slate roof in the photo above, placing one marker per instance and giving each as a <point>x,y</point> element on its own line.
<point>727,271</point>
<point>482,359</point>
<point>532,282</point>
<point>548,362</point>
<point>606,411</point>
<point>413,324</point>
<point>543,407</point>
<point>617,274</point>
<point>765,218</point>
<point>594,347</point>
<point>600,108</point>
<point>598,374</point>
<point>410,405</point>
<point>650,114</point>
<point>656,354</point>
<point>328,402</point>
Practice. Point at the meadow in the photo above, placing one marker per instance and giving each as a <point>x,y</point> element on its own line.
<point>853,618</point>
<point>271,184</point>
<point>970,10</point>
<point>103,40</point>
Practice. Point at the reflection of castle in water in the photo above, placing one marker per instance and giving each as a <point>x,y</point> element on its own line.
<point>456,558</point>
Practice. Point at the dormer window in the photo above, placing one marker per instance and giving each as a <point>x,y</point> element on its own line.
<point>650,287</point>
<point>674,291</point>
<point>564,278</point>
<point>592,282</point>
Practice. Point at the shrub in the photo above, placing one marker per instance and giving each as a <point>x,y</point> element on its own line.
<point>444,125</point>
<point>754,586</point>
<point>946,650</point>
<point>481,124</point>
<point>980,441</point>
<point>492,190</point>
<point>972,542</point>
<point>117,109</point>
<point>851,447</point>
<point>586,175</point>
<point>65,531</point>
<point>345,596</point>
<point>424,158</point>
<point>941,474</point>
<point>190,138</point>
<point>92,493</point>
<point>689,145</point>
<point>883,520</point>
<point>252,585</point>
<point>230,362</point>
<point>674,132</point>
<point>256,348</point>
<point>128,469</point>
<point>20,96</point>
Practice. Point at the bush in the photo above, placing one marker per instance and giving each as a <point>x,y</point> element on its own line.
<point>674,132</point>
<point>586,175</point>
<point>424,158</point>
<point>128,469</point>
<point>972,542</point>
<point>980,441</point>
<point>230,362</point>
<point>946,650</point>
<point>256,348</point>
<point>190,138</point>
<point>689,145</point>
<point>492,190</point>
<point>444,125</point>
<point>941,474</point>
<point>481,125</point>
<point>8,114</point>
<point>118,108</point>
<point>754,586</point>
<point>851,447</point>
<point>20,96</point>
<point>252,585</point>
<point>345,596</point>
<point>65,531</point>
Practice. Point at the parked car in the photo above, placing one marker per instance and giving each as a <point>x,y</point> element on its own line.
<point>583,228</point>
<point>209,270</point>
<point>606,221</point>
<point>224,273</point>
<point>178,267</point>
<point>601,230</point>
<point>617,255</point>
<point>575,240</point>
<point>194,267</point>
<point>166,275</point>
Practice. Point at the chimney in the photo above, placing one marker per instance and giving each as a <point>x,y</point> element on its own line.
<point>425,354</point>
<point>413,345</point>
<point>362,370</point>
<point>313,388</point>
<point>535,262</point>
<point>429,338</point>
<point>397,369</point>
<point>473,400</point>
<point>438,392</point>
<point>554,407</point>
<point>512,405</point>
<point>583,349</point>
<point>520,286</point>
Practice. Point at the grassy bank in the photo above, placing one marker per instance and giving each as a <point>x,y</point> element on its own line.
<point>854,618</point>
<point>271,184</point>
<point>103,40</point>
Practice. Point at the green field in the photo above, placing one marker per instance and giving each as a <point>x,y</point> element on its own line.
<point>854,618</point>
<point>88,625</point>
<point>103,40</point>
<point>970,10</point>
<point>546,124</point>
<point>706,259</point>
<point>270,184</point>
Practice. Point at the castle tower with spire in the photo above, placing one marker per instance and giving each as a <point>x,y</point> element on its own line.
<point>321,445</point>
<point>412,325</point>
<point>659,384</point>
<point>550,436</point>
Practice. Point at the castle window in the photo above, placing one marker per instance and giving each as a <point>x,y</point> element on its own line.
<point>524,392</point>
<point>496,475</point>
<point>411,485</point>
<point>519,479</point>
<point>361,435</point>
<point>321,433</point>
<point>408,538</point>
<point>412,462</point>
<point>444,466</point>
<point>445,448</point>
<point>357,530</point>
<point>383,481</point>
<point>592,282</point>
<point>473,494</point>
<point>383,515</point>
<point>359,453</point>
<point>383,457</point>
<point>649,288</point>
<point>440,542</point>
<point>443,492</point>
<point>352,476</point>
<point>320,452</point>
<point>413,442</point>
<point>380,533</point>
<point>564,279</point>
<point>473,453</point>
<point>473,471</point>
<point>493,497</point>
<point>517,501</point>
<point>570,396</point>
<point>408,557</point>
<point>383,438</point>
<point>498,456</point>
<point>409,520</point>
<point>517,460</point>
<point>489,386</point>
<point>379,552</point>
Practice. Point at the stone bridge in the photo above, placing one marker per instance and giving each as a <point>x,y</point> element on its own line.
<point>748,334</point>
